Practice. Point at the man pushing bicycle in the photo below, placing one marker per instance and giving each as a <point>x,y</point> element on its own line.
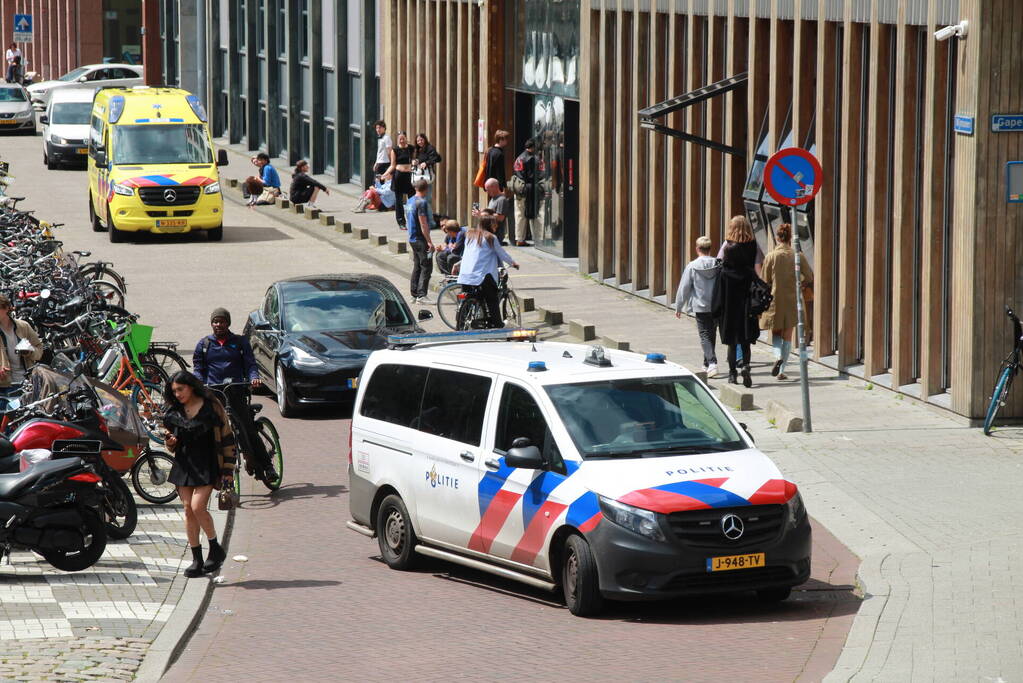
<point>223,360</point>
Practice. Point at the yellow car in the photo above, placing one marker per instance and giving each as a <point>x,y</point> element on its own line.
<point>151,164</point>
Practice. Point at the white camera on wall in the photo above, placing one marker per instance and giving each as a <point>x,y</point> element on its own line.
<point>957,30</point>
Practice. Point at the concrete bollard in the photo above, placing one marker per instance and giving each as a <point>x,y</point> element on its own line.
<point>232,182</point>
<point>736,397</point>
<point>298,208</point>
<point>551,317</point>
<point>360,233</point>
<point>346,227</point>
<point>377,240</point>
<point>282,203</point>
<point>528,304</point>
<point>618,344</point>
<point>312,214</point>
<point>398,247</point>
<point>783,418</point>
<point>326,220</point>
<point>582,330</point>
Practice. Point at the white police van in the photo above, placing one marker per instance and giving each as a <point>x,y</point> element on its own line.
<point>608,474</point>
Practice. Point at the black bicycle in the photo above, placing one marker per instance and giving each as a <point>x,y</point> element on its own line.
<point>1009,370</point>
<point>265,430</point>
<point>472,311</point>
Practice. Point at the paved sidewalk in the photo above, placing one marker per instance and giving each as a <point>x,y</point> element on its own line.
<point>927,503</point>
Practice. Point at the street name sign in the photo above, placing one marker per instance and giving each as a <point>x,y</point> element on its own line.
<point>22,28</point>
<point>963,123</point>
<point>1006,123</point>
<point>793,176</point>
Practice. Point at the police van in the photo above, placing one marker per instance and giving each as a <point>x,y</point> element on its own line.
<point>605,474</point>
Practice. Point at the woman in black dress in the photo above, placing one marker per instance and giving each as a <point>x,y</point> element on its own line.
<point>201,440</point>
<point>401,171</point>
<point>738,326</point>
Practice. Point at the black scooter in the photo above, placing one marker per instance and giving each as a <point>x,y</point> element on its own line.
<point>52,509</point>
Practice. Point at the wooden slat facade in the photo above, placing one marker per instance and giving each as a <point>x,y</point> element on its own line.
<point>915,247</point>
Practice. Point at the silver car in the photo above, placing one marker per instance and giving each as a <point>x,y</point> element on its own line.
<point>91,76</point>
<point>16,112</point>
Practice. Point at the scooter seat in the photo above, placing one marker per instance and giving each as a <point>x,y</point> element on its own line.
<point>6,447</point>
<point>12,485</point>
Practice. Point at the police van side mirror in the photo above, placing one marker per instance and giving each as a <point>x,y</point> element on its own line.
<point>525,457</point>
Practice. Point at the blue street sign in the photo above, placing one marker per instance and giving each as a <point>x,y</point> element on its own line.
<point>793,176</point>
<point>23,28</point>
<point>963,124</point>
<point>1006,123</point>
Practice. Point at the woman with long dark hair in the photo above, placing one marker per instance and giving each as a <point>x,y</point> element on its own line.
<point>305,188</point>
<point>401,172</point>
<point>481,258</point>
<point>425,155</point>
<point>202,442</point>
<point>737,325</point>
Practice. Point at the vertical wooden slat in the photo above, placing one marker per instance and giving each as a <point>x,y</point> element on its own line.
<point>780,99</point>
<point>735,118</point>
<point>675,175</point>
<point>824,204</point>
<point>623,119</point>
<point>589,114</point>
<point>714,109</point>
<point>639,210</point>
<point>605,164</point>
<point>696,50</point>
<point>656,191</point>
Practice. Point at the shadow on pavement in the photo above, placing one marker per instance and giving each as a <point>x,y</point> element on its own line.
<point>268,585</point>
<point>263,501</point>
<point>232,234</point>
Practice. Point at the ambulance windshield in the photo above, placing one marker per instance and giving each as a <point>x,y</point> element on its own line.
<point>644,417</point>
<point>182,143</point>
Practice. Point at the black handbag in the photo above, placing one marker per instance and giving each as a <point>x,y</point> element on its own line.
<point>760,296</point>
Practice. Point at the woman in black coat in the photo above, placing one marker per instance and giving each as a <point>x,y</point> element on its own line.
<point>737,325</point>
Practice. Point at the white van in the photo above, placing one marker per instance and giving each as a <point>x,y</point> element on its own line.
<point>606,474</point>
<point>66,127</point>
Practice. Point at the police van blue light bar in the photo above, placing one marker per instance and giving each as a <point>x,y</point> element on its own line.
<point>503,334</point>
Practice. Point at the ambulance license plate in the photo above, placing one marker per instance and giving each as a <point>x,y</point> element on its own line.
<point>729,562</point>
<point>176,223</point>
<point>6,121</point>
<point>82,150</point>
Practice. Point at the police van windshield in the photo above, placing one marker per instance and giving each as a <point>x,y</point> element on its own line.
<point>71,113</point>
<point>161,144</point>
<point>643,417</point>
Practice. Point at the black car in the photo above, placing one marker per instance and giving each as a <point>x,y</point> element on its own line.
<point>312,335</point>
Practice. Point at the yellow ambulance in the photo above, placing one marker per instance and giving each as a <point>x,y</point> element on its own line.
<point>152,165</point>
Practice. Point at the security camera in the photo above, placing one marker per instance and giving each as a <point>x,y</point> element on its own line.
<point>957,30</point>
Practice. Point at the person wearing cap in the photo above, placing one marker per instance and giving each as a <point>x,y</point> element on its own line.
<point>225,358</point>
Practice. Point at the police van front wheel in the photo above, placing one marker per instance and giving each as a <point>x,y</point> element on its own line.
<point>395,535</point>
<point>579,579</point>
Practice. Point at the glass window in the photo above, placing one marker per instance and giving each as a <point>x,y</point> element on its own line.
<point>16,94</point>
<point>454,404</point>
<point>75,113</point>
<point>643,417</point>
<point>262,79</point>
<point>161,144</point>
<point>271,308</point>
<point>303,150</point>
<point>547,36</point>
<point>225,24</point>
<point>74,74</point>
<point>329,95</point>
<point>356,160</point>
<point>328,142</point>
<point>328,32</point>
<point>242,24</point>
<point>303,29</point>
<point>282,28</point>
<point>354,36</point>
<point>394,394</point>
<point>307,90</point>
<point>261,27</point>
<point>520,417</point>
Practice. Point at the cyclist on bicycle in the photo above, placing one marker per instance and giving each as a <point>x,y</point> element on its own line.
<point>480,260</point>
<point>225,358</point>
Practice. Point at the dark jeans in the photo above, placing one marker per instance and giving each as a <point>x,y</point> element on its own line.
<point>732,364</point>
<point>447,260</point>
<point>9,76</point>
<point>378,169</point>
<point>488,290</point>
<point>247,438</point>
<point>422,268</point>
<point>707,329</point>
<point>402,186</point>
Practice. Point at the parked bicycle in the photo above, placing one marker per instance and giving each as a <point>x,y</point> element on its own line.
<point>1009,370</point>
<point>265,430</point>
<point>472,311</point>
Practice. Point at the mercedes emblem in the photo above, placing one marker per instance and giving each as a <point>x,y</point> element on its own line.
<point>731,527</point>
<point>170,196</point>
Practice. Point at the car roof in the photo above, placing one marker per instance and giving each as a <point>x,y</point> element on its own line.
<point>344,277</point>
<point>72,95</point>
<point>513,359</point>
<point>133,67</point>
<point>358,281</point>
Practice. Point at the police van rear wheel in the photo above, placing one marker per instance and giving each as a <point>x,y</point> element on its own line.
<point>579,579</point>
<point>395,535</point>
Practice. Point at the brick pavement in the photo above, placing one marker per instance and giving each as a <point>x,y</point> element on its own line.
<point>923,500</point>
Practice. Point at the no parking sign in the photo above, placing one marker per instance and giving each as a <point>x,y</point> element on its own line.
<point>793,176</point>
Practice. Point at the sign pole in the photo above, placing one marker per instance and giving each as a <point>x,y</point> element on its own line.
<point>804,380</point>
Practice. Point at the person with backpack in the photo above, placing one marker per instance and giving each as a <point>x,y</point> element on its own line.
<point>225,358</point>
<point>419,218</point>
<point>781,317</point>
<point>733,308</point>
<point>523,186</point>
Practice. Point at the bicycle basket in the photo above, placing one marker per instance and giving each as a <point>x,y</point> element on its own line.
<point>139,337</point>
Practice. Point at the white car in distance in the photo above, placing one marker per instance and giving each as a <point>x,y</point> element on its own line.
<point>91,76</point>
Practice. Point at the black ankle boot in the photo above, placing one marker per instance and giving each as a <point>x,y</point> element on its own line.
<point>216,557</point>
<point>733,377</point>
<point>747,381</point>
<point>194,570</point>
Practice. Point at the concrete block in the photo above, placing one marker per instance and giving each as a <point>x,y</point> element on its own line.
<point>312,214</point>
<point>346,227</point>
<point>617,344</point>
<point>232,182</point>
<point>283,203</point>
<point>326,220</point>
<point>784,418</point>
<point>551,317</point>
<point>581,329</point>
<point>360,233</point>
<point>736,397</point>
<point>528,304</point>
<point>377,240</point>
<point>398,247</point>
<point>298,208</point>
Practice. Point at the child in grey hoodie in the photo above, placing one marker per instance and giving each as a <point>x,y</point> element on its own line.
<point>696,295</point>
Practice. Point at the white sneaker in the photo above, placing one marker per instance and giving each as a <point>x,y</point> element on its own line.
<point>415,300</point>
<point>312,206</point>
<point>712,371</point>
<point>425,300</point>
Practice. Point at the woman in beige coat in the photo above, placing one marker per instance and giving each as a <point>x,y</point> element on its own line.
<point>780,272</point>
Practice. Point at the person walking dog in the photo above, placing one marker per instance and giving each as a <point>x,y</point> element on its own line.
<point>696,295</point>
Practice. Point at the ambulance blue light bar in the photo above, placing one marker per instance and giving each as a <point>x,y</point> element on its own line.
<point>197,108</point>
<point>116,108</point>
<point>503,334</point>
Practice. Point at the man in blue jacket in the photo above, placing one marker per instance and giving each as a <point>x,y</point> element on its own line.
<point>224,358</point>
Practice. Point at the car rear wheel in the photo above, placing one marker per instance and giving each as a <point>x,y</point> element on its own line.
<point>579,578</point>
<point>395,535</point>
<point>285,403</point>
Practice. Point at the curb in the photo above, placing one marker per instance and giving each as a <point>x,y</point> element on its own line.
<point>187,614</point>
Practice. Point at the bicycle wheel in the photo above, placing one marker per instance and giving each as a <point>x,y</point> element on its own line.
<point>150,477</point>
<point>170,361</point>
<point>447,304</point>
<point>511,309</point>
<point>998,397</point>
<point>154,374</point>
<point>150,409</point>
<point>98,271</point>
<point>119,508</point>
<point>108,293</point>
<point>272,442</point>
<point>472,315</point>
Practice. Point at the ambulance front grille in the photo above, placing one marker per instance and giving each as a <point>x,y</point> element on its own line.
<point>157,196</point>
<point>702,528</point>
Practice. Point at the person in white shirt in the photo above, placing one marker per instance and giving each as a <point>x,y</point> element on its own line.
<point>385,149</point>
<point>13,57</point>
